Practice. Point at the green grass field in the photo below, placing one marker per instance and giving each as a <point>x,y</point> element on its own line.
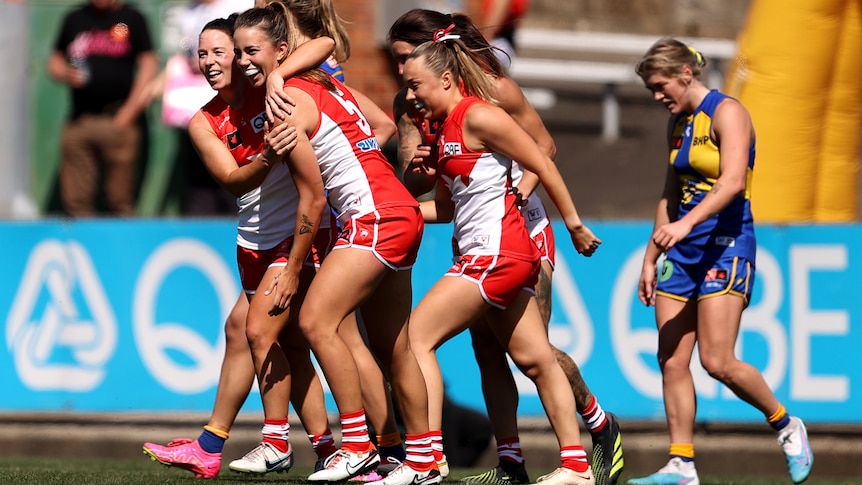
<point>43,471</point>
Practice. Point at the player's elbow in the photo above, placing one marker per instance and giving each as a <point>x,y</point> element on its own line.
<point>317,202</point>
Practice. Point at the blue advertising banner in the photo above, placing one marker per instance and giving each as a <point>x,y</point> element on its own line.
<point>116,315</point>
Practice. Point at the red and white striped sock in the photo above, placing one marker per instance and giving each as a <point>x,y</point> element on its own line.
<point>436,444</point>
<point>509,449</point>
<point>323,444</point>
<point>574,458</point>
<point>275,432</point>
<point>420,455</point>
<point>594,416</point>
<point>354,432</point>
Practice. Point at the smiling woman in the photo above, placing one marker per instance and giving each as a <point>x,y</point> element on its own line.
<point>497,261</point>
<point>370,266</point>
<point>228,133</point>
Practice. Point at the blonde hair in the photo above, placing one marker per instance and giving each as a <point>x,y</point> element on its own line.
<point>667,57</point>
<point>464,64</point>
<point>317,18</point>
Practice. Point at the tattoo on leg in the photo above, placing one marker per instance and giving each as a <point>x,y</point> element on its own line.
<point>579,387</point>
<point>543,296</point>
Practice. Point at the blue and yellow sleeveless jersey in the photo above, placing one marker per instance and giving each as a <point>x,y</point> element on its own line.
<point>333,68</point>
<point>695,159</point>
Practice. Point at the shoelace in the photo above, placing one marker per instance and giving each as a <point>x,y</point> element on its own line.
<point>179,442</point>
<point>333,458</point>
<point>257,452</point>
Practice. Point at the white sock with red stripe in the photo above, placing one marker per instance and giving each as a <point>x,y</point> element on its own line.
<point>354,432</point>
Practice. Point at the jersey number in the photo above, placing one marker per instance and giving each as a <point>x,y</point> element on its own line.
<point>352,109</point>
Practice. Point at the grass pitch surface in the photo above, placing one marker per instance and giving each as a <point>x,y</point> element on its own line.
<point>66,471</point>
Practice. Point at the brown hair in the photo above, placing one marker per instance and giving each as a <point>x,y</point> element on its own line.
<point>419,25</point>
<point>274,21</point>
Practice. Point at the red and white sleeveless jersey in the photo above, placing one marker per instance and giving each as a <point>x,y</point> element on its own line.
<point>487,219</point>
<point>267,214</point>
<point>358,178</point>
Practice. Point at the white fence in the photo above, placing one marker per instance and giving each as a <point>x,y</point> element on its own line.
<point>624,48</point>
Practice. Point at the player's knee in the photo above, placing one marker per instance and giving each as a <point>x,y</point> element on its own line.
<point>234,329</point>
<point>717,367</point>
<point>672,364</point>
<point>259,335</point>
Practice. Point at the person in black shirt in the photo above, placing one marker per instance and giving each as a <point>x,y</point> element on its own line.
<point>104,53</point>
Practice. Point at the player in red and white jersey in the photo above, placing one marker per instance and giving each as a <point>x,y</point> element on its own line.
<point>416,134</point>
<point>486,215</point>
<point>310,19</point>
<point>370,267</point>
<point>497,262</point>
<point>228,134</point>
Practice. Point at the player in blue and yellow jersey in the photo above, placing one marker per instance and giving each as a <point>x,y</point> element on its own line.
<point>705,228</point>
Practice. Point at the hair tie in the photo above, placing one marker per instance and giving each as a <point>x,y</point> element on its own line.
<point>698,57</point>
<point>442,35</point>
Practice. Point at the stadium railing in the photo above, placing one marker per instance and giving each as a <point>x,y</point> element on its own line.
<point>558,57</point>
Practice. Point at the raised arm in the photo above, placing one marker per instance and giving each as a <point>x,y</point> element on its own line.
<point>493,20</point>
<point>307,56</point>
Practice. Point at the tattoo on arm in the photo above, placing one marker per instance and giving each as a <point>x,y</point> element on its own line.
<point>716,188</point>
<point>405,149</point>
<point>306,226</point>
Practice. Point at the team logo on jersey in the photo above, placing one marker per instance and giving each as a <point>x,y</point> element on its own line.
<point>451,148</point>
<point>257,123</point>
<point>534,215</point>
<point>233,140</point>
<point>481,240</point>
<point>700,140</point>
<point>368,144</point>
<point>666,271</point>
<point>716,274</point>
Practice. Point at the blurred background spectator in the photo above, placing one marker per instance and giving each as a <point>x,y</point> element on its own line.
<point>498,21</point>
<point>104,53</point>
